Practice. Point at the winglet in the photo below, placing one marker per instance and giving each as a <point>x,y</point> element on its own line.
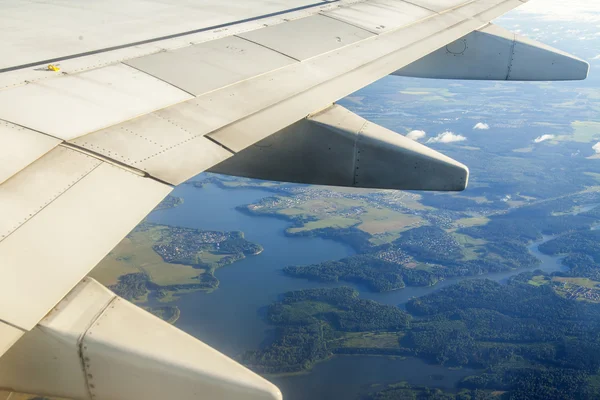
<point>493,53</point>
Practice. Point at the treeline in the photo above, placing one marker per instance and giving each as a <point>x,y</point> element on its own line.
<point>535,383</point>
<point>236,243</point>
<point>461,204</point>
<point>404,391</point>
<point>135,286</point>
<point>483,324</point>
<point>430,244</point>
<point>131,286</point>
<point>169,314</point>
<point>529,223</point>
<point>378,275</point>
<point>308,320</point>
<point>382,276</point>
<point>583,242</point>
<point>169,202</point>
<point>355,238</point>
<point>581,265</point>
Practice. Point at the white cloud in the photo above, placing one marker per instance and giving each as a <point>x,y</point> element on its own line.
<point>416,135</point>
<point>561,10</point>
<point>447,137</point>
<point>481,126</point>
<point>542,138</point>
<point>596,148</point>
<point>597,57</point>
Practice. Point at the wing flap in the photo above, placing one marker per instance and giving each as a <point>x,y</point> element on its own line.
<point>211,65</point>
<point>67,210</point>
<point>20,147</point>
<point>308,37</point>
<point>380,15</point>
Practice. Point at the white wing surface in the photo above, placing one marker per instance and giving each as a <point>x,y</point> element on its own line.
<point>105,106</point>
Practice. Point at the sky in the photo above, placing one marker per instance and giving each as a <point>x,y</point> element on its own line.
<point>563,10</point>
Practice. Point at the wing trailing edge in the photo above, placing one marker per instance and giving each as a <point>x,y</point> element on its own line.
<point>339,148</point>
<point>493,53</point>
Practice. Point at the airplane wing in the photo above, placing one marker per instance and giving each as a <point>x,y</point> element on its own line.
<point>106,106</point>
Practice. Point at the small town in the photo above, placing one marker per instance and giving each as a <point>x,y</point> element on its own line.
<point>186,244</point>
<point>576,292</point>
<point>396,256</point>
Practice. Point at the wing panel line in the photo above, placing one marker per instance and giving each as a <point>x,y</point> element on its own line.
<point>175,35</point>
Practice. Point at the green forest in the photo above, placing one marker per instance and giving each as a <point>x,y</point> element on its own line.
<point>309,322</point>
<point>527,341</point>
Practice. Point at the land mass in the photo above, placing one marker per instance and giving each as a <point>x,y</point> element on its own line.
<point>165,261</point>
<point>527,340</point>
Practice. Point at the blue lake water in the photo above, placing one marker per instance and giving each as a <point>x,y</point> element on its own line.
<point>231,318</point>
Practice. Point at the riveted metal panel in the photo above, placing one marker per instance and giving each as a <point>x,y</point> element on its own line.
<point>380,16</point>
<point>47,359</point>
<point>71,106</point>
<point>308,37</point>
<point>19,147</point>
<point>439,5</point>
<point>134,140</point>
<point>184,161</point>
<point>327,78</point>
<point>207,66</point>
<point>105,58</point>
<point>62,28</point>
<point>87,214</point>
<point>534,61</point>
<point>496,54</point>
<point>387,160</point>
<point>319,150</point>
<point>337,147</point>
<point>40,184</point>
<point>157,145</point>
<point>135,355</point>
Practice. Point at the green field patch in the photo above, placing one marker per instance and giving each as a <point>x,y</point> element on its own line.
<point>473,221</point>
<point>383,238</point>
<point>583,132</point>
<point>539,280</point>
<point>466,240</point>
<point>208,257</point>
<point>135,254</point>
<point>381,220</point>
<point>168,261</point>
<point>333,222</point>
<point>523,150</point>
<point>584,282</point>
<point>470,246</point>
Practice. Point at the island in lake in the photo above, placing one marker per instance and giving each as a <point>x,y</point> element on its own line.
<point>162,262</point>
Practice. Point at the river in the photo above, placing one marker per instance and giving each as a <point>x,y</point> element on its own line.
<point>231,318</point>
